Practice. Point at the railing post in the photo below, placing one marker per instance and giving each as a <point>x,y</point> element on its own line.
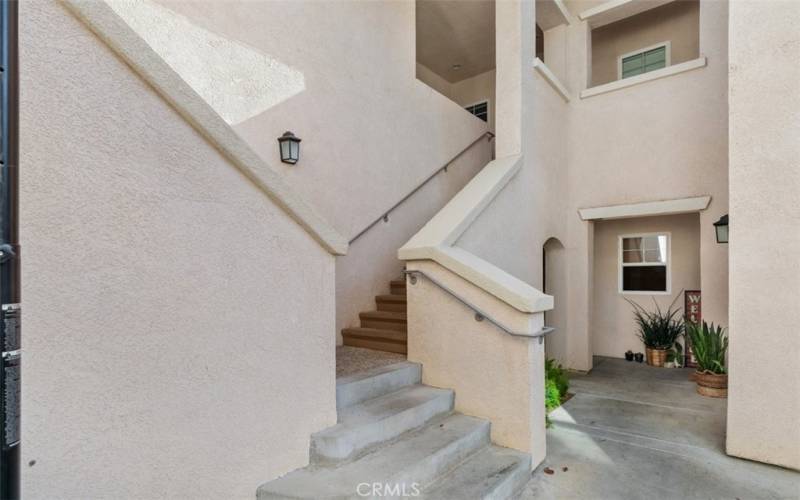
<point>9,255</point>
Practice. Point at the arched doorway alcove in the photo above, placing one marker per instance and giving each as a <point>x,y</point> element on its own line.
<point>554,280</point>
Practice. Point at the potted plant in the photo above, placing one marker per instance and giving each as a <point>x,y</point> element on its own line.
<point>710,345</point>
<point>675,356</point>
<point>659,331</point>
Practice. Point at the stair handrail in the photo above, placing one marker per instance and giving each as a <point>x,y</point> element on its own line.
<point>385,216</point>
<point>480,314</point>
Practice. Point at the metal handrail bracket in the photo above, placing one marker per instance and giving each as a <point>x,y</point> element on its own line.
<point>480,315</point>
<point>385,216</point>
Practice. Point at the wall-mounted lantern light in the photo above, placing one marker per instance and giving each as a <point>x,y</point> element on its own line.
<point>721,227</point>
<point>290,147</point>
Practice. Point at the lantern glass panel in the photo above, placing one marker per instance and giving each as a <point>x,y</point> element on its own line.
<point>722,233</point>
<point>285,147</point>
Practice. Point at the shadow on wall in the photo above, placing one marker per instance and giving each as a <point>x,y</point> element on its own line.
<point>238,81</point>
<point>554,279</point>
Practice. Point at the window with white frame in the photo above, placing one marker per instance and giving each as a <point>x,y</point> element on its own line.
<point>644,60</point>
<point>644,263</point>
<point>480,109</point>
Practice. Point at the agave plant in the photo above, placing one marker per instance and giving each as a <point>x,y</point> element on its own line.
<point>709,345</point>
<point>658,329</point>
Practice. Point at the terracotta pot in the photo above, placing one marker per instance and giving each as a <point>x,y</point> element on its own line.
<point>656,357</point>
<point>712,385</point>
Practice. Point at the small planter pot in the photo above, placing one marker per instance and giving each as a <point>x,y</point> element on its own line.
<point>712,385</point>
<point>656,357</point>
<point>629,356</point>
<point>639,357</point>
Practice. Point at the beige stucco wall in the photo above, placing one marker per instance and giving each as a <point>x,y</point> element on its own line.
<point>431,79</point>
<point>764,400</point>
<point>676,22</point>
<point>474,90</point>
<point>610,149</point>
<point>613,331</point>
<point>371,130</point>
<point>464,92</point>
<point>168,301</point>
<point>680,150</point>
<point>371,262</point>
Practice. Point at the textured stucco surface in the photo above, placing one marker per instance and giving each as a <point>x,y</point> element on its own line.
<point>495,375</point>
<point>371,261</point>
<point>764,399</point>
<point>168,302</point>
<point>371,131</point>
<point>614,331</point>
<point>238,81</point>
<point>582,154</point>
<point>676,22</point>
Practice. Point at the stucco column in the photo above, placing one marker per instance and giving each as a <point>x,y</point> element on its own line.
<point>764,402</point>
<point>515,36</point>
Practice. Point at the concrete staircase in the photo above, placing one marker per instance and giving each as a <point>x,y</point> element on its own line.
<point>396,437</point>
<point>386,328</point>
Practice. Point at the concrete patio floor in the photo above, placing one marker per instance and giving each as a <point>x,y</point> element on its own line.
<point>633,431</point>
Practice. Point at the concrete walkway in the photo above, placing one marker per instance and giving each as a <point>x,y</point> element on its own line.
<point>632,431</point>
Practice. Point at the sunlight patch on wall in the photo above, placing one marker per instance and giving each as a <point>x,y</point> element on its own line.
<point>238,81</point>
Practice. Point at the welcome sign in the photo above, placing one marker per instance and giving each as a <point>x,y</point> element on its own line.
<point>693,310</point>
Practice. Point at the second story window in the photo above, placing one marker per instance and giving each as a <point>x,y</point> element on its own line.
<point>480,109</point>
<point>644,60</point>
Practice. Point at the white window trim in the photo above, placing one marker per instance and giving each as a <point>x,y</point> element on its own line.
<point>488,108</point>
<point>668,264</point>
<point>658,74</point>
<point>667,64</point>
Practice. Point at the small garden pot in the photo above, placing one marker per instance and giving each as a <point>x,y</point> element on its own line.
<point>656,357</point>
<point>629,356</point>
<point>713,385</point>
<point>639,357</point>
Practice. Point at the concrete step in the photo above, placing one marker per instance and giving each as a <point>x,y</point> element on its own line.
<point>375,338</point>
<point>384,320</point>
<point>375,421</point>
<point>395,303</point>
<point>416,460</point>
<point>494,473</point>
<point>397,287</point>
<point>376,382</point>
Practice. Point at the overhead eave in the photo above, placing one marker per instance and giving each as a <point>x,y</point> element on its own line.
<point>551,13</point>
<point>646,209</point>
<point>616,10</point>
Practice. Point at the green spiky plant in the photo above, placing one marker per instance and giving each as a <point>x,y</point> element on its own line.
<point>709,345</point>
<point>658,329</point>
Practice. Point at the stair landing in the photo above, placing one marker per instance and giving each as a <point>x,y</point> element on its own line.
<point>351,360</point>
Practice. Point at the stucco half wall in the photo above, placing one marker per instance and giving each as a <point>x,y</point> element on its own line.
<point>168,301</point>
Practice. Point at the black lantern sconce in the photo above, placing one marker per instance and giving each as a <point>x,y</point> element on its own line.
<point>290,147</point>
<point>721,228</point>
